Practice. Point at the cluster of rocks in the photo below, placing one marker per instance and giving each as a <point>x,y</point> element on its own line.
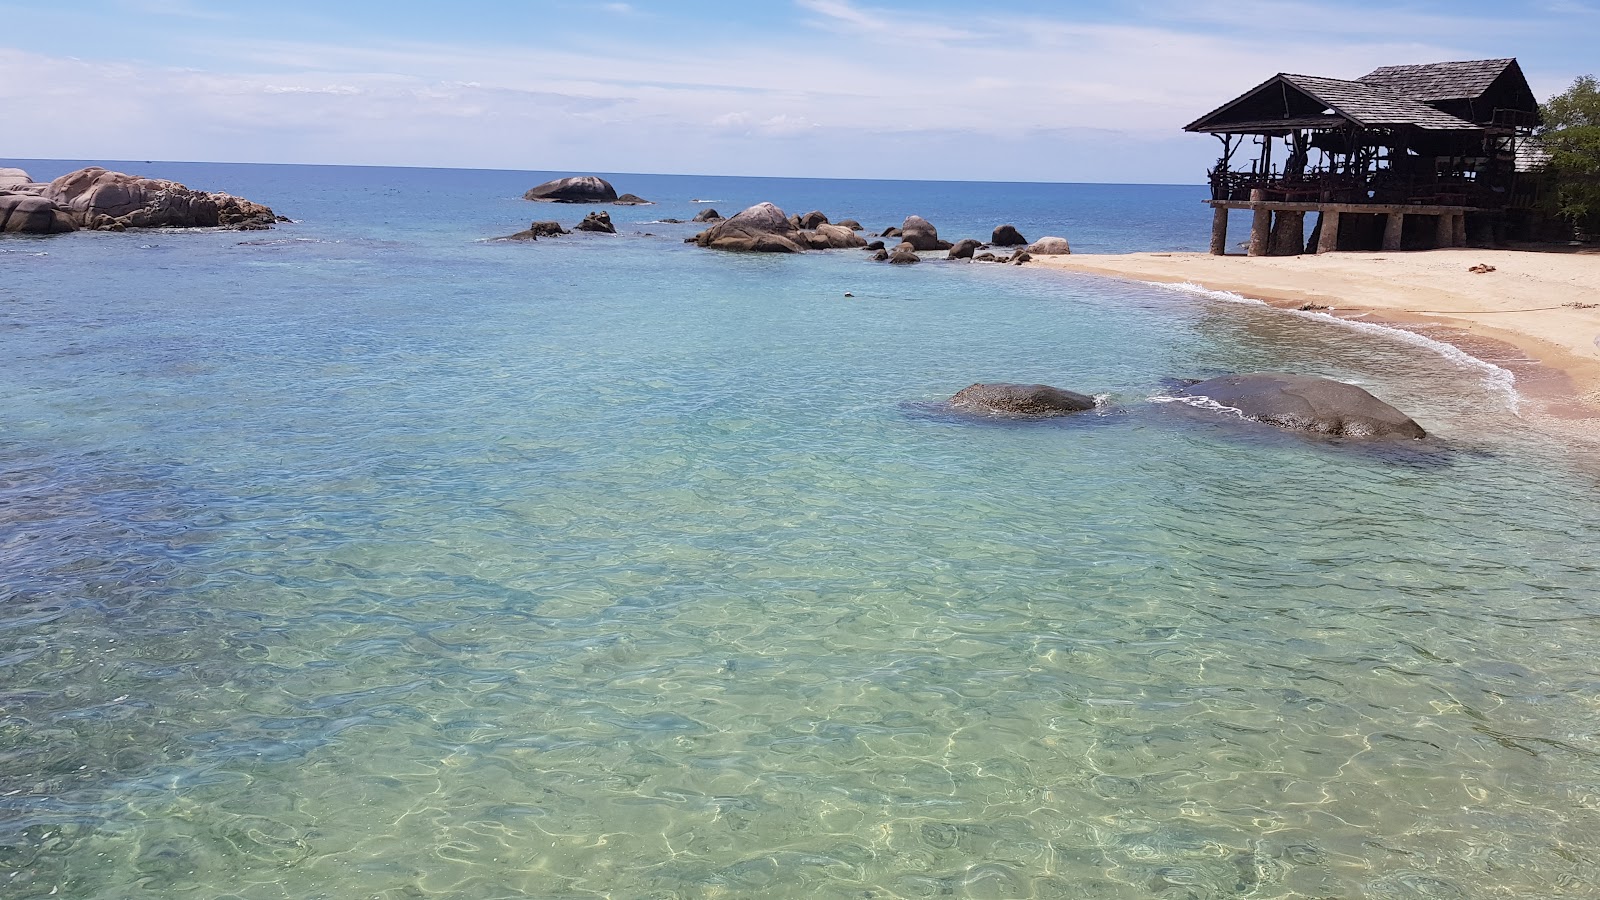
<point>94,198</point>
<point>764,228</point>
<point>1295,402</point>
<point>582,189</point>
<point>597,222</point>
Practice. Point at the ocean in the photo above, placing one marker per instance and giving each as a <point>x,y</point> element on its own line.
<point>371,557</point>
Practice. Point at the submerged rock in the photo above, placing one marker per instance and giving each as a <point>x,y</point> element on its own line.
<point>1308,403</point>
<point>1027,400</point>
<point>576,189</point>
<point>538,230</point>
<point>633,200</point>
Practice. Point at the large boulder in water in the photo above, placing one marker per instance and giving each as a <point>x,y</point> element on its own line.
<point>762,228</point>
<point>1308,403</point>
<point>1028,400</point>
<point>834,237</point>
<point>28,214</point>
<point>920,234</point>
<point>1007,236</point>
<point>964,249</point>
<point>96,198</point>
<point>577,189</point>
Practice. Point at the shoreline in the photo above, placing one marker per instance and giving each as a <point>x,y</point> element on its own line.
<point>1526,316</point>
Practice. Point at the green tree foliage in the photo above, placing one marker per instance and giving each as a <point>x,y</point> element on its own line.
<point>1571,134</point>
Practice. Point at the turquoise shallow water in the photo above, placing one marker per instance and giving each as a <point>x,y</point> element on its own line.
<point>367,558</point>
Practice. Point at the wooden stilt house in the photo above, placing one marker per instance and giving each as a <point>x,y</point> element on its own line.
<point>1405,156</point>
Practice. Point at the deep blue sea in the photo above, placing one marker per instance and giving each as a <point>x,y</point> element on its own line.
<point>371,557</point>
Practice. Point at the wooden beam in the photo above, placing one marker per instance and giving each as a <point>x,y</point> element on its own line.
<point>1219,231</point>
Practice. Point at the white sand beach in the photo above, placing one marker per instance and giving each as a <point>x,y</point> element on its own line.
<point>1536,313</point>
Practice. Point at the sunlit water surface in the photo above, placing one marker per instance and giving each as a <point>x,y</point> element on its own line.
<point>368,558</point>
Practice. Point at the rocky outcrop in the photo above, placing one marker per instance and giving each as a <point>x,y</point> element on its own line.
<point>1307,403</point>
<point>1050,246</point>
<point>29,214</point>
<point>891,231</point>
<point>633,200</point>
<point>920,233</point>
<point>99,199</point>
<point>1007,236</point>
<point>851,224</point>
<point>811,220</point>
<point>537,230</point>
<point>1019,257</point>
<point>762,228</point>
<point>577,189</point>
<point>1020,400</point>
<point>598,222</point>
<point>964,249</point>
<point>708,215</point>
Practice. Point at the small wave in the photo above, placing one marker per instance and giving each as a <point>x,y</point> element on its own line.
<point>278,242</point>
<point>1198,401</point>
<point>1497,378</point>
<point>705,201</point>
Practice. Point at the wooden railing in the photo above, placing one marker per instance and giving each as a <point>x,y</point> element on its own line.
<point>1382,187</point>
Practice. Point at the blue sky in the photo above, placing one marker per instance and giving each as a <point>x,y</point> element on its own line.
<point>826,88</point>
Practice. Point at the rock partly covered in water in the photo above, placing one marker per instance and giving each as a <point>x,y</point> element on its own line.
<point>1050,246</point>
<point>633,200</point>
<point>921,234</point>
<point>597,222</point>
<point>1308,403</point>
<point>538,230</point>
<point>964,249</point>
<point>576,189</point>
<point>1027,400</point>
<point>1007,236</point>
<point>764,228</point>
<point>708,215</point>
<point>96,198</point>
<point>904,254</point>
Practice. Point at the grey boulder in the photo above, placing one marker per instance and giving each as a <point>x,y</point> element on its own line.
<point>708,215</point>
<point>633,200</point>
<point>576,189</point>
<point>1023,400</point>
<point>1308,403</point>
<point>11,178</point>
<point>1050,246</point>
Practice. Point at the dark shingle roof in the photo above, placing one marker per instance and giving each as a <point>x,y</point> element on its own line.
<point>1464,80</point>
<point>1368,105</point>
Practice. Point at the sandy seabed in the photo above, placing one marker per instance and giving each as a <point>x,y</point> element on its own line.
<point>1535,313</point>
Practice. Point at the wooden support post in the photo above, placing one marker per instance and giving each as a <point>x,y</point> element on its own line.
<point>1392,230</point>
<point>1460,230</point>
<point>1219,231</point>
<point>1444,234</point>
<point>1328,240</point>
<point>1260,225</point>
